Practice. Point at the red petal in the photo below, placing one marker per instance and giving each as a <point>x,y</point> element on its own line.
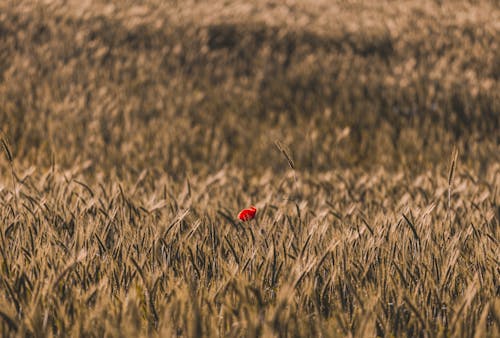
<point>247,214</point>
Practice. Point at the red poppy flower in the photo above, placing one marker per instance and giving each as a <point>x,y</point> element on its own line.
<point>247,214</point>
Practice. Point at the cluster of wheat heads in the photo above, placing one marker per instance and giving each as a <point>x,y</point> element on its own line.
<point>170,84</point>
<point>132,134</point>
<point>349,254</point>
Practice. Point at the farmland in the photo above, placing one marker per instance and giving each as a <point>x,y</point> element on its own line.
<point>365,133</point>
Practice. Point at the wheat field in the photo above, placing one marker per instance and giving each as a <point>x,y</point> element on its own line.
<point>367,135</point>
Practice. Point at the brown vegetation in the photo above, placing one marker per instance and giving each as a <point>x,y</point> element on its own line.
<point>367,135</point>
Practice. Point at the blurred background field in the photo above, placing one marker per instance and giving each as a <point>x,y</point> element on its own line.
<point>134,131</point>
<point>197,85</point>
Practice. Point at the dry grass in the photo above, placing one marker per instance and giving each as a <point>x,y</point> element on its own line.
<point>366,135</point>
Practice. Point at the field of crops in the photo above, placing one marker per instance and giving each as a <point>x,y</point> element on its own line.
<point>366,134</point>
